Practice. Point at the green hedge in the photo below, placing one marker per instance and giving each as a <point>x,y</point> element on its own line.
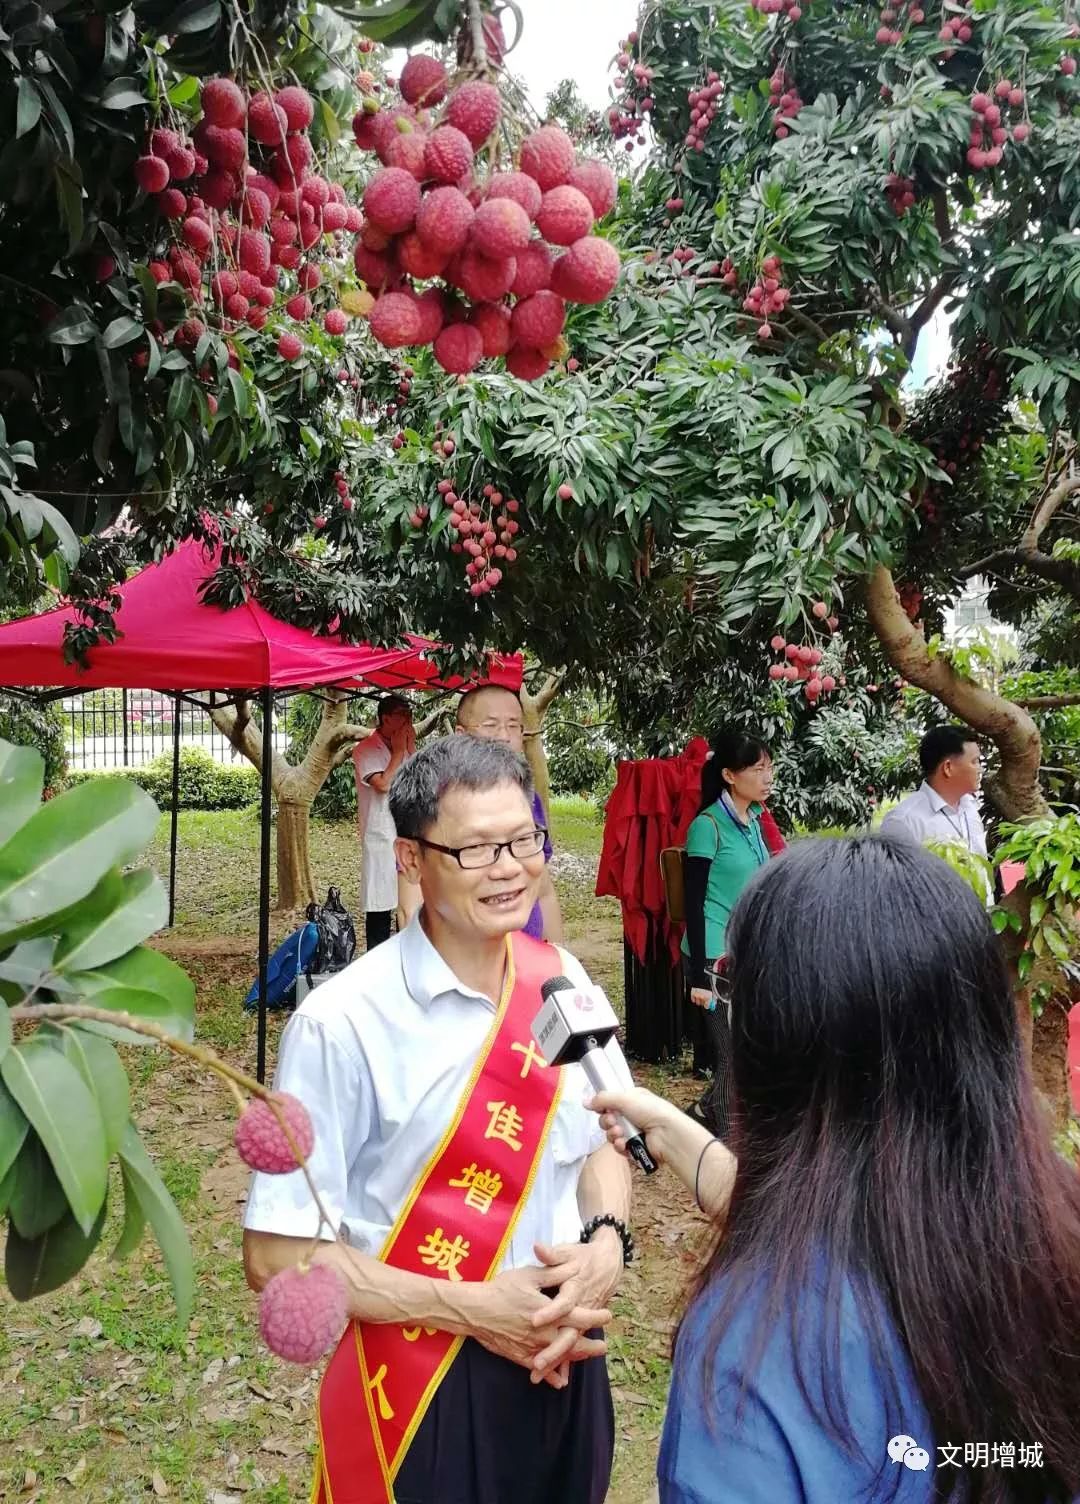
<point>204,783</point>
<point>28,724</point>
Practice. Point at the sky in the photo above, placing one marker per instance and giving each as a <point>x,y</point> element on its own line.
<point>570,39</point>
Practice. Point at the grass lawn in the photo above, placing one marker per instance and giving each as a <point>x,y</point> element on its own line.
<point>105,1398</point>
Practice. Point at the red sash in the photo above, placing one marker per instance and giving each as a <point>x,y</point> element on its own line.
<point>456,1224</point>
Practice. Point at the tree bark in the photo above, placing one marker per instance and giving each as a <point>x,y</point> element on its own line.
<point>534,710</point>
<point>1015,791</point>
<point>295,879</point>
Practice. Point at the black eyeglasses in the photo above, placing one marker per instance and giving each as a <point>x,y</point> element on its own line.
<point>473,857</point>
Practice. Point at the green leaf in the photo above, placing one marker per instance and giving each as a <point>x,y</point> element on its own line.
<point>159,1210</point>
<point>241,397</point>
<point>143,983</point>
<point>121,332</point>
<point>99,1065</point>
<point>66,1118</point>
<point>6,1033</point>
<point>180,394</point>
<point>195,15</point>
<point>122,94</point>
<point>62,851</point>
<point>34,1266</point>
<point>13,1124</point>
<point>28,110</point>
<point>121,913</point>
<point>28,963</point>
<point>37,1197</point>
<point>134,1219</point>
<point>22,777</point>
<point>72,327</point>
<point>67,544</point>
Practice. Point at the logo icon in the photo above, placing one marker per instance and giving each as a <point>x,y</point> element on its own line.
<point>907,1450</point>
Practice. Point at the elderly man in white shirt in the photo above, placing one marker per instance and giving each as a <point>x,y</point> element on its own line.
<point>481,1213</point>
<point>944,807</point>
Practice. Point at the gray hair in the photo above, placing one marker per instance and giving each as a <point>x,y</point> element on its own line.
<point>467,762</point>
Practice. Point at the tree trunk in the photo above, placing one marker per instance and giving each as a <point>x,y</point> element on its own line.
<point>1015,791</point>
<point>534,712</point>
<point>295,879</point>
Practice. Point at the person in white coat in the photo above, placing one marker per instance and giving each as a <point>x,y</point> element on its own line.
<point>944,807</point>
<point>375,761</point>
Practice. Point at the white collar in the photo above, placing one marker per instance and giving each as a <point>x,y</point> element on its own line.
<point>427,974</point>
<point>941,805</point>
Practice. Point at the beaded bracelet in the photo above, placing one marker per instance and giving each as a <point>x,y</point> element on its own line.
<point>608,1220</point>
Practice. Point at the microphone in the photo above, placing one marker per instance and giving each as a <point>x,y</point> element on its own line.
<point>572,1027</point>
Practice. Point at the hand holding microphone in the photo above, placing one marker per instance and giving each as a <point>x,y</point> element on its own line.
<point>658,1120</point>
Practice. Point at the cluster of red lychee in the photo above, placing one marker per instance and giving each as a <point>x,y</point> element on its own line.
<point>803,662</point>
<point>957,29</point>
<point>436,227</point>
<point>790,8</point>
<point>890,32</point>
<point>627,117</point>
<point>784,101</point>
<point>900,191</point>
<point>766,295</point>
<point>251,206</point>
<point>911,599</point>
<point>703,107</point>
<point>487,530</point>
<point>303,1310</point>
<point>989,133</point>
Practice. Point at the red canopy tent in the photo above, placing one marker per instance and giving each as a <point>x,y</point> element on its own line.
<point>172,640</point>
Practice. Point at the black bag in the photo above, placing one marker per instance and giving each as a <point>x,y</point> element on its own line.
<point>337,937</point>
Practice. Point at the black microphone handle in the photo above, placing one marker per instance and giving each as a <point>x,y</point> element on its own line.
<point>602,1078</point>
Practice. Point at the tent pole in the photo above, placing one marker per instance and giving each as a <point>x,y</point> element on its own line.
<point>175,807</point>
<point>264,875</point>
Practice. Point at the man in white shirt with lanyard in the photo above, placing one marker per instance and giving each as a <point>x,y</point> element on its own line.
<point>375,761</point>
<point>482,1213</point>
<point>944,807</point>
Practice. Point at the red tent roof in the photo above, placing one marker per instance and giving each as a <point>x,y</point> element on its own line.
<point>172,640</point>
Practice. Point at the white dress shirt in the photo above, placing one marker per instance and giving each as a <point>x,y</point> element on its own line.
<point>926,816</point>
<point>380,1055</point>
<point>378,866</point>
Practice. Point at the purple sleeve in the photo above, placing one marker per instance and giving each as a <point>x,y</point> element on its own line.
<point>541,820</point>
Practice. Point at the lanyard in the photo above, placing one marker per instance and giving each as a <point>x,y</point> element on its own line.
<point>965,832</point>
<point>750,833</point>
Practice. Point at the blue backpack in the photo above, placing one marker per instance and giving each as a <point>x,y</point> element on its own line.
<point>293,956</point>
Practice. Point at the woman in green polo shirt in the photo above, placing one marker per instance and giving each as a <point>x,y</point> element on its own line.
<point>724,848</point>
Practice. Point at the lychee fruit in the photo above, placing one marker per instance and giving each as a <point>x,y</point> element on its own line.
<point>335,321</point>
<point>597,182</point>
<point>237,306</point>
<point>419,260</point>
<point>459,349</point>
<point>225,146</point>
<point>151,174</point>
<point>197,233</point>
<point>423,80</point>
<point>181,164</point>
<point>448,154</point>
<point>315,191</point>
<point>820,610</point>
<point>253,252</point>
<point>256,208</point>
<point>302,1313</point>
<point>444,220</point>
<point>299,306</point>
<point>493,322</point>
<point>431,308</point>
<point>171,204</point>
<point>502,228</point>
<point>298,106</point>
<point>391,200</point>
<point>565,215</point>
<point>520,188</point>
<point>483,278</point>
<point>538,320</point>
<point>289,346</point>
<point>548,156</point>
<point>408,152</point>
<point>373,268</point>
<point>260,1140</point>
<point>474,109</point>
<point>267,121</point>
<point>395,320</point>
<point>292,163</point>
<point>565,492</point>
<point>534,266</point>
<point>587,272</point>
<point>222,102</point>
<point>335,217</point>
<point>219,188</point>
<point>163,142</point>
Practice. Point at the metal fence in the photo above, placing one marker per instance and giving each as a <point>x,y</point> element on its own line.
<point>121,728</point>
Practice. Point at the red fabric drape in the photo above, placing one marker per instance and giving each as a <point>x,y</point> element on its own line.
<point>650,808</point>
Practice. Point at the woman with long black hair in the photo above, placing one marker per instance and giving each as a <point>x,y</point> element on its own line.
<point>725,846</point>
<point>891,1309</point>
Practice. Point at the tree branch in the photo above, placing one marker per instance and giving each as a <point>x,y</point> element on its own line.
<point>1048,702</point>
<point>1027,554</point>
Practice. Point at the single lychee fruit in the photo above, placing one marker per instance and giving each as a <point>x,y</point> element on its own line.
<point>335,321</point>
<point>253,252</point>
<point>171,204</point>
<point>267,121</point>
<point>160,272</point>
<point>444,220</point>
<point>334,217</point>
<point>151,174</point>
<point>776,670</point>
<point>501,228</point>
<point>565,215</point>
<point>1022,131</point>
<point>418,259</point>
<point>493,322</point>
<point>222,102</point>
<point>256,208</point>
<point>597,182</point>
<point>219,188</point>
<point>474,109</point>
<point>408,152</point>
<point>587,272</point>
<point>483,278</point>
<point>538,320</point>
<point>248,283</point>
<point>289,346</point>
<point>299,306</point>
<point>283,230</point>
<point>237,306</point>
<point>395,320</point>
<point>448,155</point>
<point>548,156</point>
<point>534,266</point>
<point>302,1313</point>
<point>820,610</point>
<point>261,1141</point>
<point>291,164</point>
<point>315,191</point>
<point>391,200</point>
<point>423,80</point>
<point>225,146</point>
<point>459,349</point>
<point>181,164</point>
<point>527,365</point>
<point>518,187</point>
<point>373,268</point>
<point>778,644</point>
<point>432,311</point>
<point>163,142</point>
<point>298,106</point>
<point>265,297</point>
